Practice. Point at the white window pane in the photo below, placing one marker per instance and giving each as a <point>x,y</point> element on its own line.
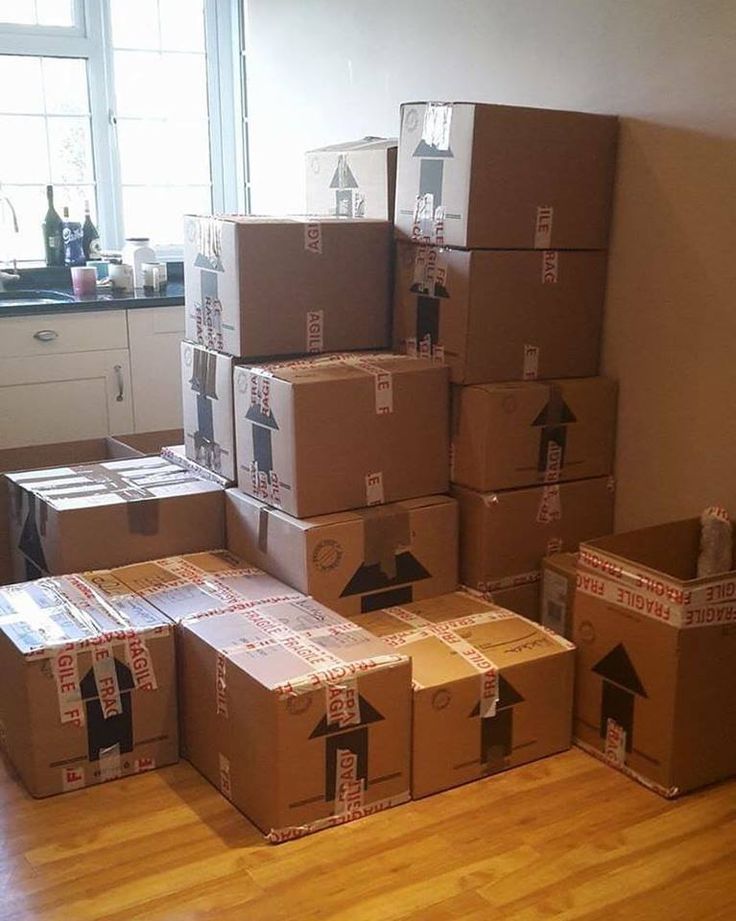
<point>23,74</point>
<point>134,23</point>
<point>55,12</point>
<point>73,197</point>
<point>19,12</point>
<point>163,152</point>
<point>158,212</point>
<point>65,85</point>
<point>30,207</point>
<point>23,151</point>
<point>138,84</point>
<point>70,149</point>
<point>185,85</point>
<point>182,25</point>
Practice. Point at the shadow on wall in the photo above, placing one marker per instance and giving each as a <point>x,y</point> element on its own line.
<point>671,322</point>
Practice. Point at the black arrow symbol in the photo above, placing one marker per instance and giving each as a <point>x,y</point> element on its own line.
<point>553,420</point>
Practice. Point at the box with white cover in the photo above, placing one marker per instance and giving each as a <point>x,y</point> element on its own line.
<point>353,179</point>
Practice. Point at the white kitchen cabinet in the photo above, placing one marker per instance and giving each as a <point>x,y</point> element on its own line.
<point>155,335</point>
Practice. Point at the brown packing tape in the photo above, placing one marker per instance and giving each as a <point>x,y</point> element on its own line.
<point>384,531</point>
<point>263,530</point>
<point>142,516</point>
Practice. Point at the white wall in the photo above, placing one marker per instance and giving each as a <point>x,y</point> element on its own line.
<point>321,71</point>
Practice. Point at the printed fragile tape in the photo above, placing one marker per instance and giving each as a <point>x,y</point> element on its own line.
<point>667,792</point>
<point>543,227</point>
<point>313,237</point>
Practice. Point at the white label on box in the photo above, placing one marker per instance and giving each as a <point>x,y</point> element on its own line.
<point>315,330</point>
<point>181,489</point>
<point>64,667</point>
<point>374,488</point>
<point>554,601</point>
<point>72,778</point>
<point>108,498</point>
<point>44,474</point>
<point>550,265</point>
<point>313,237</point>
<point>141,664</point>
<point>543,227</point>
<point>531,362</point>
<point>615,749</point>
<point>225,787</point>
<point>343,703</point>
<point>436,125</point>
<point>68,483</point>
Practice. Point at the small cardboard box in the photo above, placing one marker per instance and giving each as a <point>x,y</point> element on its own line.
<point>504,535</point>
<point>300,718</point>
<point>557,591</point>
<point>520,434</point>
<point>342,431</point>
<point>207,404</point>
<point>656,669</point>
<point>498,177</point>
<point>519,597</point>
<point>501,315</point>
<point>68,519</point>
<point>353,179</point>
<point>87,690</point>
<point>352,561</point>
<point>491,689</point>
<point>260,286</point>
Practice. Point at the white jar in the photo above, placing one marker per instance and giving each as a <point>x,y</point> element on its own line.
<point>135,252</point>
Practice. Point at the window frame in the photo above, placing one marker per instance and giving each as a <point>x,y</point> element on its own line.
<point>91,38</point>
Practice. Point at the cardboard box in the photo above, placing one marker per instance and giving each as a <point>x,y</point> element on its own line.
<point>501,315</point>
<point>87,690</point>
<point>354,179</point>
<point>342,431</point>
<point>260,286</point>
<point>520,597</point>
<point>504,535</point>
<point>207,408</point>
<point>68,519</point>
<point>352,561</point>
<point>491,689</point>
<point>497,177</point>
<point>522,434</point>
<point>557,591</point>
<point>656,669</point>
<point>301,719</point>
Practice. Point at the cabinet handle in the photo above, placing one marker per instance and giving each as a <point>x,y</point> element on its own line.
<point>119,374</point>
<point>46,335</point>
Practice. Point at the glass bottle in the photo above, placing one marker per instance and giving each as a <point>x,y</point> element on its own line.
<point>90,237</point>
<point>52,232</point>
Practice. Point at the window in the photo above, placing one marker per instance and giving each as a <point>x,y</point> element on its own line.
<point>136,106</point>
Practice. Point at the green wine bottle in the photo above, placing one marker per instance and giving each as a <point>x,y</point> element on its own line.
<point>52,232</point>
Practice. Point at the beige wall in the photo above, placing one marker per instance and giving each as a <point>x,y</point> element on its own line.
<point>321,71</point>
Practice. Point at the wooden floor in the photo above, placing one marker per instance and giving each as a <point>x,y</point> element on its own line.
<point>562,838</point>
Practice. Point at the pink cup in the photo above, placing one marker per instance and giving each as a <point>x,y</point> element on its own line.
<point>84,280</point>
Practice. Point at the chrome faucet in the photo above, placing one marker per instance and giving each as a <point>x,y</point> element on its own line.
<point>5,202</point>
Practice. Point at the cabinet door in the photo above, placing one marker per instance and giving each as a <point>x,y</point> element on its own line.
<point>65,397</point>
<point>155,335</point>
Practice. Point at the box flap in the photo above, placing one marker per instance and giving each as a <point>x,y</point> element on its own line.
<point>367,143</point>
<point>342,366</point>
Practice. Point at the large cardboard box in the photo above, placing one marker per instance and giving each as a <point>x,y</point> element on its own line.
<point>656,669</point>
<point>207,408</point>
<point>298,717</point>
<point>261,286</point>
<point>352,561</point>
<point>557,591</point>
<point>491,689</point>
<point>501,315</point>
<point>353,179</point>
<point>87,690</point>
<point>522,434</point>
<point>342,431</point>
<point>496,177</point>
<point>68,519</point>
<point>504,535</point>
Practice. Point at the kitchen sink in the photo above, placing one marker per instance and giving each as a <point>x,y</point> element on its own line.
<point>20,298</point>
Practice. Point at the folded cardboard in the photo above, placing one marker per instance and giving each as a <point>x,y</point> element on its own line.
<point>260,286</point>
<point>557,591</point>
<point>500,315</point>
<point>353,179</point>
<point>207,408</point>
<point>522,434</point>
<point>504,535</point>
<point>300,718</point>
<point>342,431</point>
<point>490,176</point>
<point>351,561</point>
<point>68,519</point>
<point>87,689</point>
<point>656,669</point>
<point>491,689</point>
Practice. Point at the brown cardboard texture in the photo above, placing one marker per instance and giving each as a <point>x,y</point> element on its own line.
<point>67,519</point>
<point>521,434</point>
<point>353,179</point>
<point>557,592</point>
<point>298,717</point>
<point>261,286</point>
<point>656,669</point>
<point>207,409</point>
<point>521,598</point>
<point>492,690</point>
<point>342,431</point>
<point>87,689</point>
<point>504,535</point>
<point>496,177</point>
<point>352,561</point>
<point>500,315</point>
